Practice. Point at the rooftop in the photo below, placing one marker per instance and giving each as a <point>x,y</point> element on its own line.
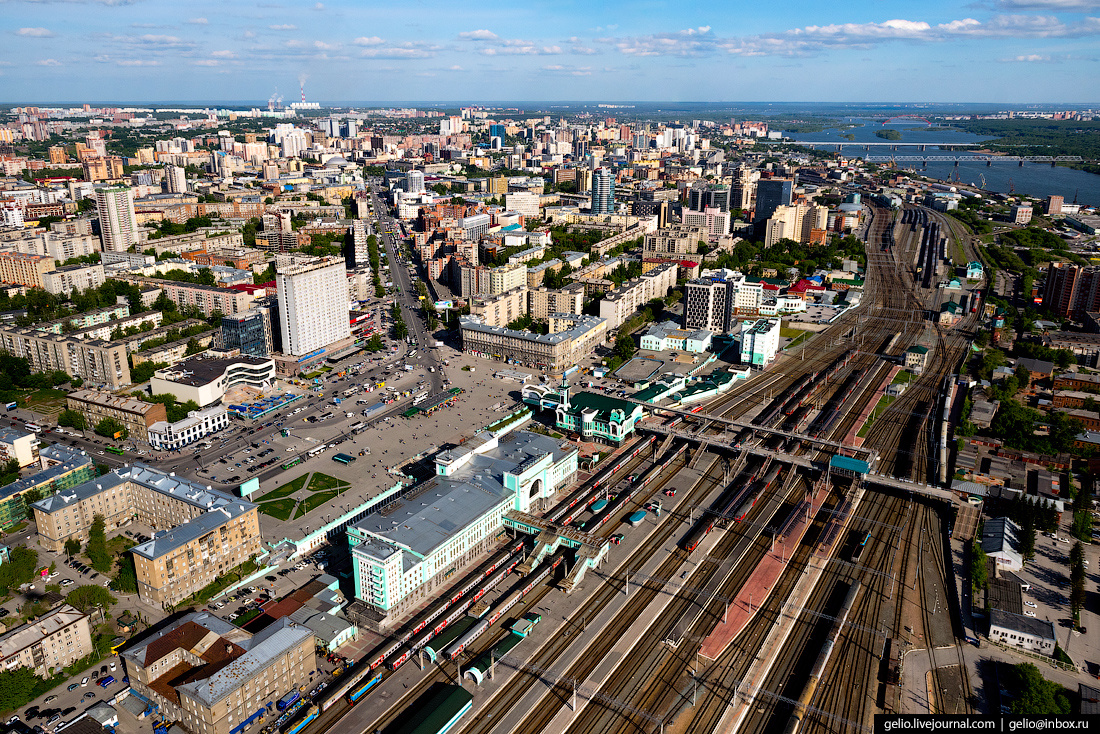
<point>119,402</point>
<point>34,632</point>
<point>199,371</point>
<point>1019,623</point>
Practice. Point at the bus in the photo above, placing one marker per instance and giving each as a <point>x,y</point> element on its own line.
<point>357,427</point>
<point>320,449</point>
<point>32,427</point>
<point>11,406</point>
<point>114,450</point>
<point>293,462</point>
<point>343,458</point>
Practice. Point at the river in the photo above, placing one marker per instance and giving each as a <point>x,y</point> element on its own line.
<point>1038,180</point>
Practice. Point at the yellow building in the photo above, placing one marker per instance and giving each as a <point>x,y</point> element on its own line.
<point>199,533</point>
<point>55,640</point>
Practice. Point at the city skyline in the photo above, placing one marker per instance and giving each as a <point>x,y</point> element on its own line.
<point>998,51</point>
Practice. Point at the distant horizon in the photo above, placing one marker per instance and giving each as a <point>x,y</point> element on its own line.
<point>855,105</point>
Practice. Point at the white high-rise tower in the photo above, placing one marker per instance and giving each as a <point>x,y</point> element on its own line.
<point>117,221</point>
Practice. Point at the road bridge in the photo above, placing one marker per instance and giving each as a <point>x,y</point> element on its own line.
<point>972,158</point>
<point>871,477</point>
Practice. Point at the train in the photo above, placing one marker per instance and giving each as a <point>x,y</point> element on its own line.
<point>832,410</point>
<point>794,723</point>
<point>566,512</point>
<point>500,608</point>
<point>733,504</point>
<point>620,500</point>
<point>404,653</point>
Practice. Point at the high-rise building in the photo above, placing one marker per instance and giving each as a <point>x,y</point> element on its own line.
<point>58,154</point>
<point>496,131</point>
<point>705,305</point>
<point>175,179</point>
<point>313,303</point>
<point>357,253</point>
<point>603,191</point>
<point>1072,290</point>
<point>248,331</point>
<point>772,193</point>
<point>414,182</point>
<point>702,197</point>
<point>507,277</point>
<point>117,222</point>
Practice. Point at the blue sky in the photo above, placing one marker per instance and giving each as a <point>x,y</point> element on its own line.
<point>1006,51</point>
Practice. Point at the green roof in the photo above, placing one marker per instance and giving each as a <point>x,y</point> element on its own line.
<point>917,349</point>
<point>604,404</point>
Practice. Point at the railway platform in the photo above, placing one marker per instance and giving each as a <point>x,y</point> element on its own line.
<point>759,585</point>
<point>869,407</point>
<point>765,658</point>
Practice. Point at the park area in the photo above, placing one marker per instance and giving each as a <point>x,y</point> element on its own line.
<point>282,501</point>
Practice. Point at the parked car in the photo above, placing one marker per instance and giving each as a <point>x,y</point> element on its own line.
<point>84,681</point>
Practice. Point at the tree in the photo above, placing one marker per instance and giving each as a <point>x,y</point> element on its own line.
<point>374,344</point>
<point>20,568</point>
<point>72,419</point>
<point>624,347</point>
<point>86,598</point>
<point>979,569</point>
<point>72,547</point>
<point>109,428</point>
<point>1036,696</point>
<point>97,545</point>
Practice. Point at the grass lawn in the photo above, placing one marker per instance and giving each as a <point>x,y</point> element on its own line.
<point>797,336</point>
<point>902,378</point>
<point>285,490</point>
<point>279,509</point>
<point>323,482</point>
<point>883,404</point>
<point>314,501</point>
<point>47,401</point>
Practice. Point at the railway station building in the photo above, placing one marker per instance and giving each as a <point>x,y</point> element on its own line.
<point>411,547</point>
<point>595,417</point>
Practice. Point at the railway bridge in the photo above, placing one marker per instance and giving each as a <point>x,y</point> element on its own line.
<point>868,477</point>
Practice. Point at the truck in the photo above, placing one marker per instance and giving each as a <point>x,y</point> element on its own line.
<point>288,700</point>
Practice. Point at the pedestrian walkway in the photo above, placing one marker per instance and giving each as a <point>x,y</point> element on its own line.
<point>869,408</point>
<point>760,583</point>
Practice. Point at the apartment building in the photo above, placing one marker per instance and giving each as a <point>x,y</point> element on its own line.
<point>118,227</point>
<point>64,468</point>
<point>65,280</point>
<point>58,245</point>
<point>55,640</point>
<point>571,337</point>
<point>19,445</point>
<point>541,301</point>
<point>206,298</point>
<point>713,301</point>
<point>24,269</point>
<point>86,319</point>
<point>100,168</point>
<point>97,362</point>
<point>618,305</point>
<point>500,309</point>
<point>211,677</point>
<point>679,239</point>
<point>199,533</point>
<point>507,277</point>
<point>136,415</point>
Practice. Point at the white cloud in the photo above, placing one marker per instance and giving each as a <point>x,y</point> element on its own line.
<point>198,21</point>
<point>283,27</point>
<point>368,41</point>
<point>319,6</point>
<point>479,35</point>
<point>35,32</point>
<point>398,52</point>
<point>206,62</point>
<point>571,70</point>
<point>83,2</point>
<point>815,39</point>
<point>1029,58</point>
<point>161,40</point>
<point>456,67</point>
<point>223,54</point>
<point>1055,5</point>
<point>520,47</point>
<point>48,62</point>
<point>321,45</point>
<point>138,62</point>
